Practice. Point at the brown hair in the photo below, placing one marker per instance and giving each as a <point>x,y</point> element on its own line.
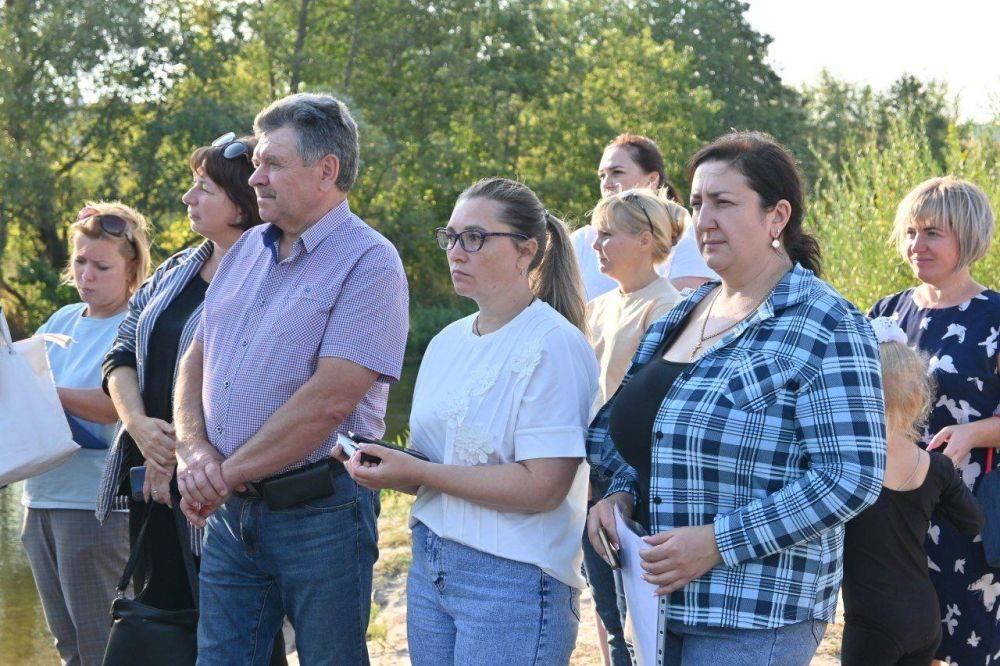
<point>135,250</point>
<point>627,212</point>
<point>772,173</point>
<point>232,175</point>
<point>908,389</point>
<point>647,155</point>
<point>553,273</point>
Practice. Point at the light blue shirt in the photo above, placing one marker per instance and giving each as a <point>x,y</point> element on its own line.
<point>73,485</point>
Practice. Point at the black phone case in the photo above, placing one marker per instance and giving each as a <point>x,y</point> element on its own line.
<point>284,492</point>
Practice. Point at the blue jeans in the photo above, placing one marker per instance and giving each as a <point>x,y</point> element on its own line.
<point>464,606</point>
<point>609,602</point>
<point>312,562</point>
<point>791,645</point>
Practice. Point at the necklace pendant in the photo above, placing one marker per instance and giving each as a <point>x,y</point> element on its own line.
<point>694,352</point>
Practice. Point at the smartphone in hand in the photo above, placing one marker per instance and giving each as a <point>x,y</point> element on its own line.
<point>137,477</point>
<point>355,439</point>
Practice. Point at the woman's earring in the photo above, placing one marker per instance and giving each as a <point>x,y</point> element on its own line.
<point>776,244</point>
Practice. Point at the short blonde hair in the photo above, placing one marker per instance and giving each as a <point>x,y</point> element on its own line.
<point>908,389</point>
<point>135,250</point>
<point>628,211</point>
<point>949,202</point>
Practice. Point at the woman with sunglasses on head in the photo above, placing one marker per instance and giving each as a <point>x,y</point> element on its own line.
<point>500,408</point>
<point>139,370</point>
<point>75,560</point>
<point>629,162</point>
<point>634,232</point>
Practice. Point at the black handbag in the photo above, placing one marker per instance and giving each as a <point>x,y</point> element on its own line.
<point>988,494</point>
<point>142,635</point>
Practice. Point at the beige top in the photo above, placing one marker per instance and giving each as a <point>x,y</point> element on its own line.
<point>617,321</point>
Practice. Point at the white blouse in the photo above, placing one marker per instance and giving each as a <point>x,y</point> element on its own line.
<point>524,391</point>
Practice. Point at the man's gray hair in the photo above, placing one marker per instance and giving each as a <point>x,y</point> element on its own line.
<point>324,126</point>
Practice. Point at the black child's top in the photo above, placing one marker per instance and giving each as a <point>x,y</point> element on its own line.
<point>886,584</point>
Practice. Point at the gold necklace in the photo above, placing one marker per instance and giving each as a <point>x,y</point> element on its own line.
<point>702,339</point>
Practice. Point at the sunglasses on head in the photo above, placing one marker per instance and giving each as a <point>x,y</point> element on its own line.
<point>631,196</point>
<point>113,225</point>
<point>233,147</point>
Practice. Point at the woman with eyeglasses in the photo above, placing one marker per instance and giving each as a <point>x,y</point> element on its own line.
<point>75,559</point>
<point>500,408</point>
<point>634,232</point>
<point>139,369</point>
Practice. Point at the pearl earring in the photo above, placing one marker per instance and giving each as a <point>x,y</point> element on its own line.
<point>776,244</point>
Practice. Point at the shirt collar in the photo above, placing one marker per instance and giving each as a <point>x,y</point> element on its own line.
<point>315,234</point>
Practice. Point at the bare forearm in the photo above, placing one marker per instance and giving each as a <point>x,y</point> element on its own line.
<point>292,432</point>
<point>189,417</point>
<point>123,386</point>
<point>532,486</point>
<point>987,432</point>
<point>88,404</point>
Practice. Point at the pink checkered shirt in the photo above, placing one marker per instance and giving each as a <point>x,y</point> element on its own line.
<point>341,293</point>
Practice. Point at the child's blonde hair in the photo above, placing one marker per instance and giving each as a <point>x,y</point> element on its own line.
<point>908,389</point>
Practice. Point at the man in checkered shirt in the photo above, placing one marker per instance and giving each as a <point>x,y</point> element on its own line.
<point>303,331</point>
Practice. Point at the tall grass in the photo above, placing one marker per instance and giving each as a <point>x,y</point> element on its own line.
<point>853,207</point>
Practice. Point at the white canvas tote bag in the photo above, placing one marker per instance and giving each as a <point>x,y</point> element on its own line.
<point>34,434</point>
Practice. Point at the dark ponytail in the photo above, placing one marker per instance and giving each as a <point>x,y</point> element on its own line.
<point>553,274</point>
<point>772,173</point>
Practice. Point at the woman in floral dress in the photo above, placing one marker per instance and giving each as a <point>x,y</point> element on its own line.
<point>942,228</point>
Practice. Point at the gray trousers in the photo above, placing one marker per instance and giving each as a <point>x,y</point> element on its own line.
<point>76,563</point>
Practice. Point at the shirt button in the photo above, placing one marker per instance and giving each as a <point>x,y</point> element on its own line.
<point>263,302</point>
<point>659,435</point>
<point>657,500</point>
<point>225,384</point>
<point>218,429</point>
<point>246,342</point>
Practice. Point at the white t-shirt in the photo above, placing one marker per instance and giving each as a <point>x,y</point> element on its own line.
<point>522,392</point>
<point>684,261</point>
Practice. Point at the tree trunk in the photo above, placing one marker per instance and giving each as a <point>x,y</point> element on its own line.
<point>300,40</point>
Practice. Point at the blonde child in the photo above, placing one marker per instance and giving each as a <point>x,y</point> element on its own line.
<point>890,606</point>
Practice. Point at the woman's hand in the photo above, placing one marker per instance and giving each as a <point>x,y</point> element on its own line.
<point>602,514</point>
<point>155,439</point>
<point>397,470</point>
<point>679,556</point>
<point>157,484</point>
<point>959,440</point>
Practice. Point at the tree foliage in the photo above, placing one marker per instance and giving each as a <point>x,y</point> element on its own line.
<point>106,100</point>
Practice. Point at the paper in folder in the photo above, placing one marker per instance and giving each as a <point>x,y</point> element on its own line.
<point>641,605</point>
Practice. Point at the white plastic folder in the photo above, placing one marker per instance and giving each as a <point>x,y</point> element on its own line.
<point>641,615</point>
<point>34,434</point>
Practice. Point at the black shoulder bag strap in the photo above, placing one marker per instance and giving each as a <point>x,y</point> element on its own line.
<point>183,535</point>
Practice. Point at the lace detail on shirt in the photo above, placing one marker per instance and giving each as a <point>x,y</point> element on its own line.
<point>526,362</point>
<point>472,446</point>
<point>453,409</point>
<point>483,379</point>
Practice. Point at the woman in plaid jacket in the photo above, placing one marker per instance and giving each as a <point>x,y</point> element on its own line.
<point>749,428</point>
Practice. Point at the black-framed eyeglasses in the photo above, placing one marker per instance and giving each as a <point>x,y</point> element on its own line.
<point>632,196</point>
<point>471,240</point>
<point>233,147</point>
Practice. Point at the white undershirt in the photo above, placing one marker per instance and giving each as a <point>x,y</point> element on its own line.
<point>522,392</point>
